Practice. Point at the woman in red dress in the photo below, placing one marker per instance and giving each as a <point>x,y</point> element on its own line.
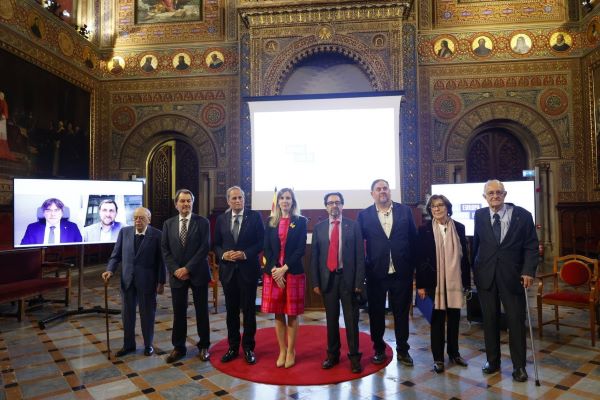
<point>284,280</point>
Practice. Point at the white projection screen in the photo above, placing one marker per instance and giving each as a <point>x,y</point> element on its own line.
<point>318,145</point>
<point>466,198</point>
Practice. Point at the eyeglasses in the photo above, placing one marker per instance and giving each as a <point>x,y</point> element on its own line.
<point>495,192</point>
<point>438,206</point>
<point>334,203</point>
<point>52,210</point>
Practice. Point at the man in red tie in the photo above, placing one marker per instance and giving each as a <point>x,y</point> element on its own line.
<point>338,274</point>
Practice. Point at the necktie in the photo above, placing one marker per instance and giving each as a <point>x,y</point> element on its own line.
<point>334,247</point>
<point>138,241</point>
<point>497,227</point>
<point>236,228</point>
<point>51,235</point>
<point>183,233</point>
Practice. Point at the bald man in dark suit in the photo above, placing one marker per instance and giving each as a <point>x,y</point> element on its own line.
<point>505,248</point>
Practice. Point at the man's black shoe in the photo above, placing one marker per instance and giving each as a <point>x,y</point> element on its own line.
<point>405,359</point>
<point>438,367</point>
<point>230,355</point>
<point>250,357</point>
<point>204,355</point>
<point>330,362</point>
<point>124,352</point>
<point>148,350</point>
<point>519,375</point>
<point>175,355</point>
<point>355,366</point>
<point>489,368</point>
<point>379,358</point>
<point>458,360</point>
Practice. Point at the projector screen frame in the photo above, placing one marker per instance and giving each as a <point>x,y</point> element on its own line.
<point>262,200</point>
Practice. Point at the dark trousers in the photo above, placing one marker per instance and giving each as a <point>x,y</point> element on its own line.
<point>335,293</point>
<point>438,326</point>
<point>514,307</point>
<point>240,296</point>
<point>400,298</point>
<point>179,298</point>
<point>131,297</point>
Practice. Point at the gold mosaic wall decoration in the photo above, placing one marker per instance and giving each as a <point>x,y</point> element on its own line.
<point>461,13</point>
<point>138,24</point>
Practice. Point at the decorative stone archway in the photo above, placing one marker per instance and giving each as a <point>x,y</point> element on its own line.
<point>147,135</point>
<point>283,65</point>
<point>539,135</point>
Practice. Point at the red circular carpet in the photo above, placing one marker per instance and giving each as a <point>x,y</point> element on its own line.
<point>311,348</point>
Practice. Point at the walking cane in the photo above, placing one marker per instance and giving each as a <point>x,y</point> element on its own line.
<point>535,369</point>
<point>106,313</point>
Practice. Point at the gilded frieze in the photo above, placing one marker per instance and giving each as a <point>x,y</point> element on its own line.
<point>171,62</point>
<point>460,47</point>
<point>464,13</point>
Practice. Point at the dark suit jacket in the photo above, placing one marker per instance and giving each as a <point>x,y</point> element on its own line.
<point>401,242</point>
<point>353,255</point>
<point>250,241</point>
<point>146,268</point>
<point>427,260</point>
<point>194,256</point>
<point>69,232</point>
<point>517,254</point>
<point>294,247</point>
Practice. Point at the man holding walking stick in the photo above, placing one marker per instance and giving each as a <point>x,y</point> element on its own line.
<point>138,250</point>
<point>505,248</point>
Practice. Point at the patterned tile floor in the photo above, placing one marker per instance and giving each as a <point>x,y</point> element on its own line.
<point>67,360</point>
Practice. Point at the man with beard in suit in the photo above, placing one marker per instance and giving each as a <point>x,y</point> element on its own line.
<point>338,274</point>
<point>505,249</point>
<point>390,234</point>
<point>239,237</point>
<point>185,244</point>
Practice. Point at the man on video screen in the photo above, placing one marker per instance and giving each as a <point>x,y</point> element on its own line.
<point>52,228</point>
<point>107,230</point>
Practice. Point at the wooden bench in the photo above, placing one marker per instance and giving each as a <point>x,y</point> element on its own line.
<point>23,275</point>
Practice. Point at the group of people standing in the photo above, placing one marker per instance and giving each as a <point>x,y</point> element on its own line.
<point>378,254</point>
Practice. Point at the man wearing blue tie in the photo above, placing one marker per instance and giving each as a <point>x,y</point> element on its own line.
<point>505,249</point>
<point>138,250</point>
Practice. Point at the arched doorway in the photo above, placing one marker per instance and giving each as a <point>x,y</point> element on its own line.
<point>172,165</point>
<point>495,153</point>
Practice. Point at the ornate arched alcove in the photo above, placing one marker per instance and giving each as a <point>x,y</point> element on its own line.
<point>528,125</point>
<point>149,133</point>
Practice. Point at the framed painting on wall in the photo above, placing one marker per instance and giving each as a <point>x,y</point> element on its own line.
<point>167,11</point>
<point>595,77</point>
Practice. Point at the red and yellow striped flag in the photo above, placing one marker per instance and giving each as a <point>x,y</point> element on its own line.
<point>274,203</point>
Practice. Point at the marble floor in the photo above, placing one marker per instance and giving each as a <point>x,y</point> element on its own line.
<point>68,360</point>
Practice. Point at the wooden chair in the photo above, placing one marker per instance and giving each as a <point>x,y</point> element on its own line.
<point>574,284</point>
<point>214,283</point>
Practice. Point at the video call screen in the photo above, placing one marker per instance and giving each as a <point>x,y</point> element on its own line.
<point>51,212</point>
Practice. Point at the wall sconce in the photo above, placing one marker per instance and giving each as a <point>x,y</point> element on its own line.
<point>52,6</point>
<point>587,5</point>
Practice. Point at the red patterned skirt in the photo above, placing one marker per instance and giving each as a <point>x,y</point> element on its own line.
<point>289,300</point>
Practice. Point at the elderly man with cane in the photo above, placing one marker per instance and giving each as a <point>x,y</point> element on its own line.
<point>505,248</point>
<point>138,250</point>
